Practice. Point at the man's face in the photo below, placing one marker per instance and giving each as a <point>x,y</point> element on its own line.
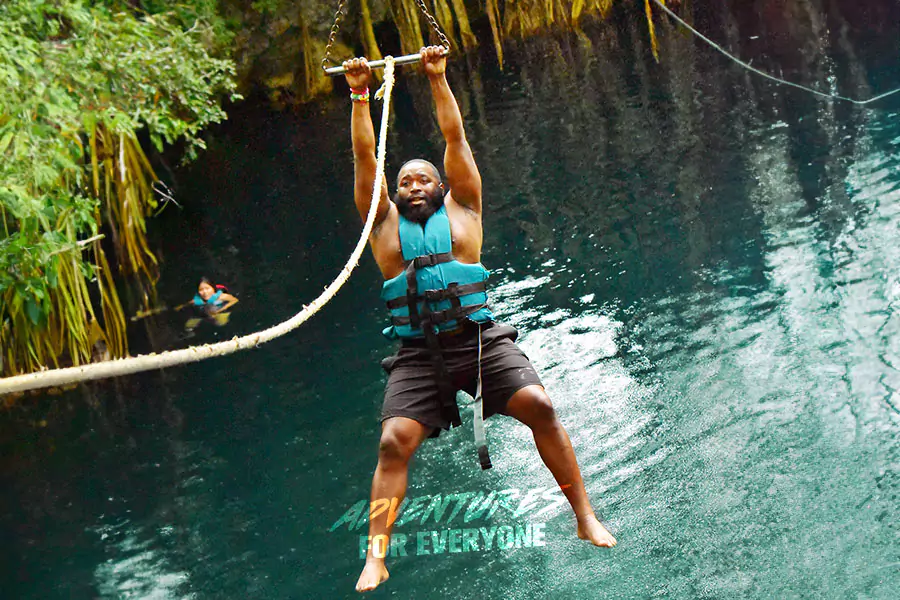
<point>419,191</point>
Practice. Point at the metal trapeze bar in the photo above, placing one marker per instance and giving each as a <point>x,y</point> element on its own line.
<point>378,64</point>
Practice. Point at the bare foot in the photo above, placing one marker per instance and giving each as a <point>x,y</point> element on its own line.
<point>373,575</point>
<point>589,528</point>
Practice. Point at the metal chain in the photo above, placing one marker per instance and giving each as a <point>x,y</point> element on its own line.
<point>334,29</point>
<point>340,15</point>
<point>444,41</point>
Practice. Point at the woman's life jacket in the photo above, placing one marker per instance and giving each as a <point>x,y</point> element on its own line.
<point>204,305</point>
<point>436,290</point>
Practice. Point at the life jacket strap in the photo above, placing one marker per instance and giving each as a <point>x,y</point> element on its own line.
<point>429,260</point>
<point>412,292</point>
<point>451,292</point>
<point>412,285</point>
<point>439,317</point>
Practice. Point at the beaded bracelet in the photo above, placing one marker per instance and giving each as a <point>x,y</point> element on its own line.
<point>359,95</point>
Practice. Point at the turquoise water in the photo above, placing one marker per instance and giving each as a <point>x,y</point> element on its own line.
<point>704,269</point>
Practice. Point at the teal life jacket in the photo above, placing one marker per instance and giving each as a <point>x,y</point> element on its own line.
<point>203,306</point>
<point>214,299</point>
<point>436,291</point>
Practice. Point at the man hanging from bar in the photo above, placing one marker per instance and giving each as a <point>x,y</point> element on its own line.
<point>427,243</point>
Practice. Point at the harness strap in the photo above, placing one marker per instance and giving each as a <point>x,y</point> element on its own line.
<point>412,286</point>
<point>478,414</point>
<point>452,293</point>
<point>440,316</point>
<point>429,260</point>
<point>447,391</point>
<point>427,320</point>
<point>412,293</point>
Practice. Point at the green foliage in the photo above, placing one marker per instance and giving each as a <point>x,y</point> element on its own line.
<point>217,35</point>
<point>78,81</point>
<point>266,6</point>
<point>113,69</point>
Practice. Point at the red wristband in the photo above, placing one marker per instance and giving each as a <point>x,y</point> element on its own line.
<point>360,91</point>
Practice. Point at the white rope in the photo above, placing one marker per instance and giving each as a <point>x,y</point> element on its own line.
<point>763,73</point>
<point>147,362</point>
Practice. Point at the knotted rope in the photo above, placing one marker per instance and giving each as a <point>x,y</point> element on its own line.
<point>147,362</point>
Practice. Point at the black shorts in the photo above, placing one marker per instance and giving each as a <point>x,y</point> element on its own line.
<point>413,391</point>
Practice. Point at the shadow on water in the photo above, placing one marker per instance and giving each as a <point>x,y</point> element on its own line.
<point>702,266</point>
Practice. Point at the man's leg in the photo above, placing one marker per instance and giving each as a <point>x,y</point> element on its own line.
<point>531,406</point>
<point>400,437</point>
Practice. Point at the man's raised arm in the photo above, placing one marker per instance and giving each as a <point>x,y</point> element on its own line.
<point>362,133</point>
<point>459,163</point>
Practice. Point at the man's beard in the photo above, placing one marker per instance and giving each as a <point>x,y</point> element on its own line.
<point>420,213</point>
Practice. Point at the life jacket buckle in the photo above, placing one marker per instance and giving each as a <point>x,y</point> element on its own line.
<point>440,317</point>
<point>428,260</point>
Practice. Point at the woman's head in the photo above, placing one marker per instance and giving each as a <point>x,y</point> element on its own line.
<point>205,289</point>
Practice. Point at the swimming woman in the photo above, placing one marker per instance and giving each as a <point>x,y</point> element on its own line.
<point>212,302</point>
